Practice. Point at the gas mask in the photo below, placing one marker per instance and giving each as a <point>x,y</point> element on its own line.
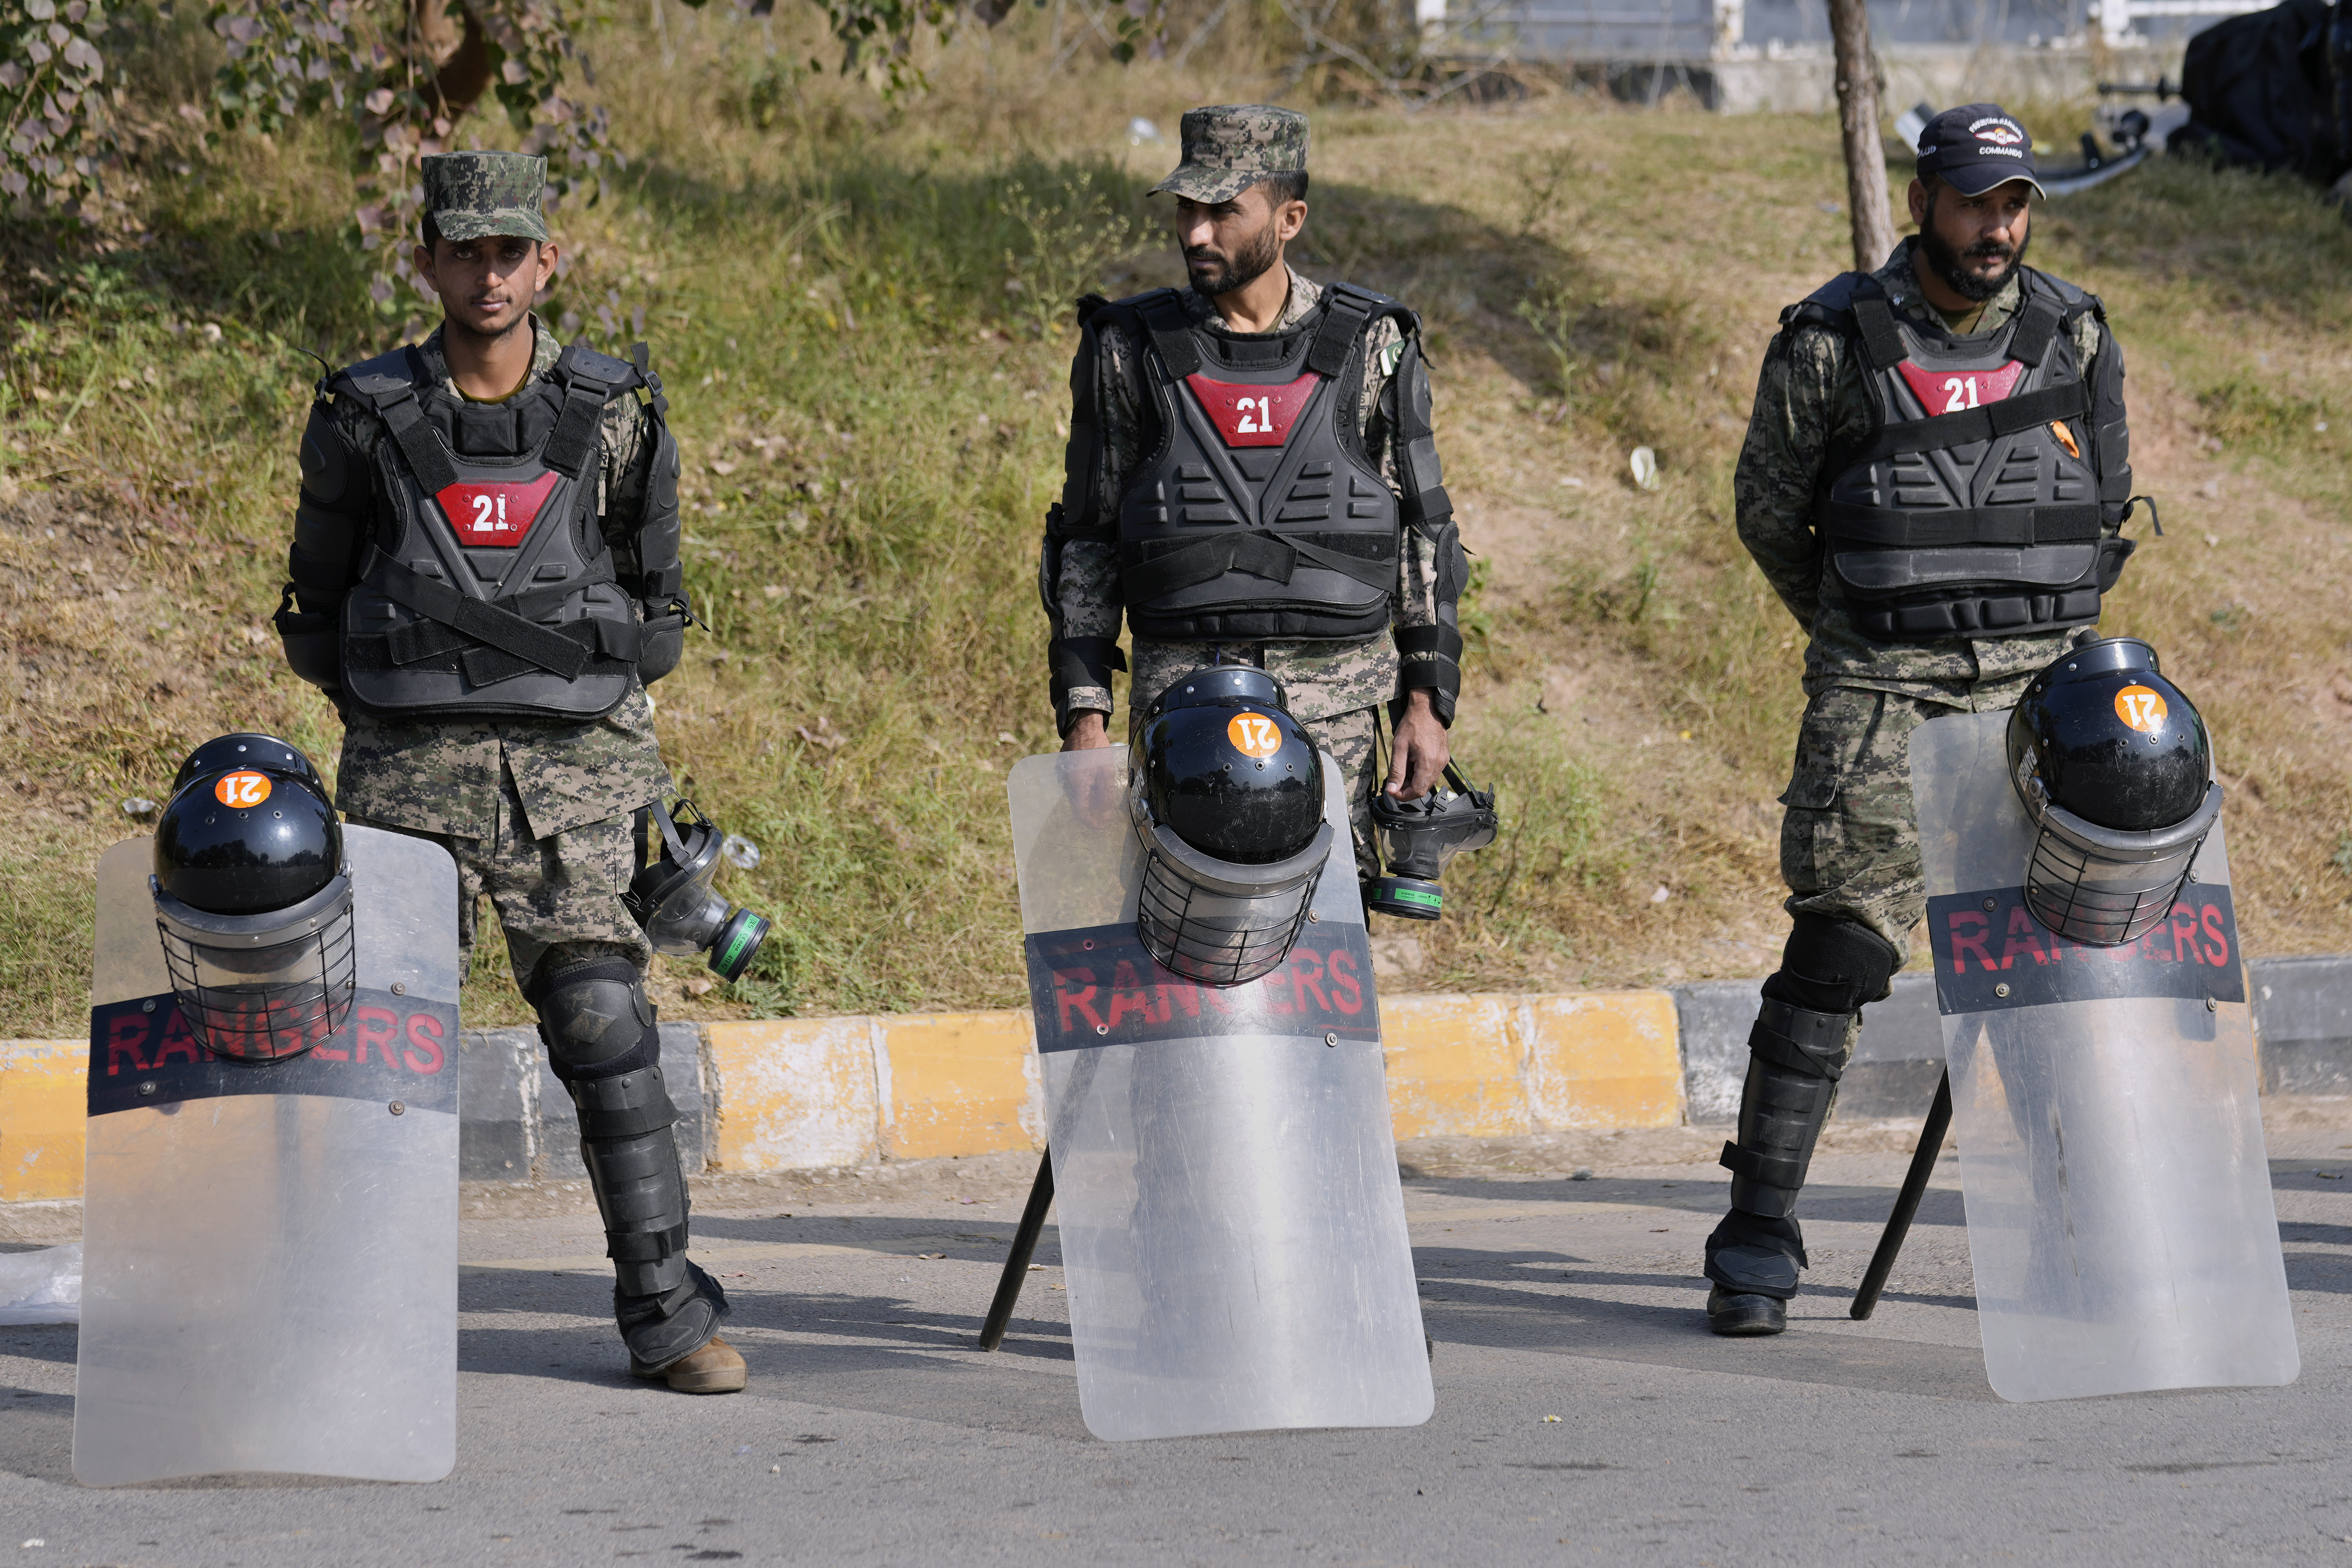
<point>1417,837</point>
<point>673,900</point>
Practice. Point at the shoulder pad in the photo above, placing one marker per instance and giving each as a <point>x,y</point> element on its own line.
<point>1378,304</point>
<point>1838,294</point>
<point>2066,294</point>
<point>386,375</point>
<point>1088,306</point>
<point>615,375</point>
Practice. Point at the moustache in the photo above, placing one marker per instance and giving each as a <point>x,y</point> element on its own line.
<point>1990,251</point>
<point>1202,258</point>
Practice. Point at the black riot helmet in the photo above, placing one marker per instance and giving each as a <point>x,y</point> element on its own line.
<point>672,899</point>
<point>2115,768</point>
<point>1417,837</point>
<point>253,902</point>
<point>1227,799</point>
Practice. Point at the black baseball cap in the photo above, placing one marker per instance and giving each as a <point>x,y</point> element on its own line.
<point>1975,147</point>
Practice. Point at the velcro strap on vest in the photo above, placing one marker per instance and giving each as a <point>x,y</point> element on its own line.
<point>1882,339</point>
<point>2037,326</point>
<point>1427,508</point>
<point>577,427</point>
<point>1954,528</point>
<point>1171,332</point>
<point>1800,1040</point>
<point>1258,552</point>
<point>427,459</point>
<point>1344,316</point>
<point>2009,416</point>
<point>480,620</point>
<point>646,1246</point>
<point>1772,1171</point>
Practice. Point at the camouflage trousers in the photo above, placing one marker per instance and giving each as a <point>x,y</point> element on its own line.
<point>558,893</point>
<point>1850,840</point>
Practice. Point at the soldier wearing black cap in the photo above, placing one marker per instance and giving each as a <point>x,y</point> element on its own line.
<point>1935,482</point>
<point>1252,476</point>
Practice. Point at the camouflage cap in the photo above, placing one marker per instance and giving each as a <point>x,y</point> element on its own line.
<point>471,196</point>
<point>1229,147</point>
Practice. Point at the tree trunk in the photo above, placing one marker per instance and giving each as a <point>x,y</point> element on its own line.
<point>1865,159</point>
<point>460,53</point>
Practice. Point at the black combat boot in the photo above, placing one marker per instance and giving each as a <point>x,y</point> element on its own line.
<point>605,1046</point>
<point>1797,1051</point>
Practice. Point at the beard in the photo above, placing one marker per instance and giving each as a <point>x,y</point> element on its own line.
<point>1213,274</point>
<point>1950,263</point>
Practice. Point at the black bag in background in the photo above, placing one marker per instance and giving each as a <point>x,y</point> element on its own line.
<point>2262,94</point>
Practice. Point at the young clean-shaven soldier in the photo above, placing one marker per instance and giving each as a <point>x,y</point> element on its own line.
<point>1935,481</point>
<point>1251,477</point>
<point>486,575</point>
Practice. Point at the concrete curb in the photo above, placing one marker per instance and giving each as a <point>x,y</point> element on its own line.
<point>808,1094</point>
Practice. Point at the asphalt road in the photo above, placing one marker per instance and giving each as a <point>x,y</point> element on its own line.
<point>873,1432</point>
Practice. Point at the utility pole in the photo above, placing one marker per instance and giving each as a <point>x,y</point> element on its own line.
<point>1865,159</point>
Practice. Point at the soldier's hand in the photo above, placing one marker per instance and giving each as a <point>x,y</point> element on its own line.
<point>1086,734</point>
<point>1419,752</point>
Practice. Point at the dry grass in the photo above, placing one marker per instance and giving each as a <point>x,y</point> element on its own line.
<point>873,424</point>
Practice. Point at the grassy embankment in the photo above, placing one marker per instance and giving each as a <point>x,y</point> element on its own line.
<point>852,307</point>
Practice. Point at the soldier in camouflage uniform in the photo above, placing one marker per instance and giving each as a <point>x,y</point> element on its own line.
<point>1934,479</point>
<point>485,575</point>
<point>1350,619</point>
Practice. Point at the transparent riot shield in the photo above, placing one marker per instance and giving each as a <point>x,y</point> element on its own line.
<point>270,1249</point>
<point>2119,1197</point>
<point>1224,1172</point>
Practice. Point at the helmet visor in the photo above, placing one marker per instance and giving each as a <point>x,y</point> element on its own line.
<point>2106,887</point>
<point>262,988</point>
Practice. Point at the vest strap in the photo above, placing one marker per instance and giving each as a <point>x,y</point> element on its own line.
<point>1882,339</point>
<point>2022,527</point>
<point>478,619</point>
<point>1171,332</point>
<point>1345,316</point>
<point>2037,328</point>
<point>2009,416</point>
<point>1258,552</point>
<point>427,459</point>
<point>578,427</point>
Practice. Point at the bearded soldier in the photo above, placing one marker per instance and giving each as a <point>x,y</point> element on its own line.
<point>1935,481</point>
<point>1251,477</point>
<point>485,576</point>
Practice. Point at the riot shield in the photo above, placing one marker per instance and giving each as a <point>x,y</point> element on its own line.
<point>1224,1172</point>
<point>2119,1198</point>
<point>270,1248</point>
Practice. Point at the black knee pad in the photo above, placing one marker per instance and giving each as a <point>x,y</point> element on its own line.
<point>596,1020</point>
<point>1833,965</point>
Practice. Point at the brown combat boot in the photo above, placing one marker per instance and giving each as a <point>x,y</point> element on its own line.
<point>716,1368</point>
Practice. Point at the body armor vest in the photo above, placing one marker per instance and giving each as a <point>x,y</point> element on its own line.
<point>489,590</point>
<point>1980,503</point>
<point>1258,514</point>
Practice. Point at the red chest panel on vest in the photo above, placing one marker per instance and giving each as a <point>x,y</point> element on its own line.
<point>1956,391</point>
<point>1252,415</point>
<point>498,514</point>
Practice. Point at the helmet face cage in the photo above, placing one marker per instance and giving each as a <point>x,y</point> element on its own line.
<point>1214,937</point>
<point>1214,921</point>
<point>2104,887</point>
<point>260,988</point>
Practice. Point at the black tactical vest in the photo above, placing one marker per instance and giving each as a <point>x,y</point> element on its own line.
<point>1980,504</point>
<point>489,591</point>
<point>1258,514</point>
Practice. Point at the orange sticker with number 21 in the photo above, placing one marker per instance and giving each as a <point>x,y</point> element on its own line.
<point>2140,707</point>
<point>1254,735</point>
<point>242,789</point>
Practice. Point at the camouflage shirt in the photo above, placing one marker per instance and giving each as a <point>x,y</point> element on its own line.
<point>1809,398</point>
<point>442,776</point>
<point>1323,678</point>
